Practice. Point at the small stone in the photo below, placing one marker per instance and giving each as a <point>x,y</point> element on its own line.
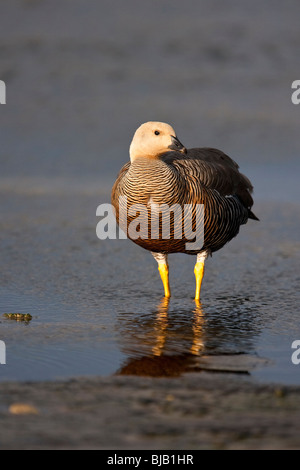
<point>22,409</point>
<point>279,392</point>
<point>169,397</point>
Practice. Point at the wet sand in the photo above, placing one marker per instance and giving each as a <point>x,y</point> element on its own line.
<point>200,411</point>
<point>104,361</point>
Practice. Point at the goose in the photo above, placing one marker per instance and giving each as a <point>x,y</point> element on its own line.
<point>163,173</point>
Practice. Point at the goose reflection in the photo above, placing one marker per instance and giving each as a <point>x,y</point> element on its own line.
<point>198,329</point>
<point>162,358</point>
<point>168,343</point>
<point>161,327</point>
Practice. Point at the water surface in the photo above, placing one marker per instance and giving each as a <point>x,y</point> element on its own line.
<point>79,82</point>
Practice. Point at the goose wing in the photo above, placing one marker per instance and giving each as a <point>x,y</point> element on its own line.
<point>216,171</point>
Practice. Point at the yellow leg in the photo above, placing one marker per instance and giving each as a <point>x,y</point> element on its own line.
<point>164,274</point>
<point>199,272</point>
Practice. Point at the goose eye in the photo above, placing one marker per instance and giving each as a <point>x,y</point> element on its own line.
<point>156,132</point>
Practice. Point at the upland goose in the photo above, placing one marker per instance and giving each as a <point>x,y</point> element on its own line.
<point>165,189</point>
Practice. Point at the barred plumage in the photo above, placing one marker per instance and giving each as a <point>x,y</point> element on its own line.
<point>162,171</point>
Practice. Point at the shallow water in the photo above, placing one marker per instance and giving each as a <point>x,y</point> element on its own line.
<point>76,93</point>
<point>97,306</point>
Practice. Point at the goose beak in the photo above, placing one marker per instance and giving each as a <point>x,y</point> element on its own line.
<point>177,145</point>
